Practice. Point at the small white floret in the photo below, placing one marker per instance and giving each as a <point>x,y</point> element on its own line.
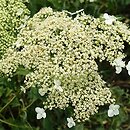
<point>113,110</point>
<point>58,85</point>
<point>40,113</point>
<point>71,122</point>
<point>119,64</point>
<point>109,19</point>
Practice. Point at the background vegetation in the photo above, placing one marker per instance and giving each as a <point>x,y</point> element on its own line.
<point>17,109</point>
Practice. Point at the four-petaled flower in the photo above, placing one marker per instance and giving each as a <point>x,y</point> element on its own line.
<point>128,67</point>
<point>119,64</point>
<point>40,113</point>
<point>58,85</point>
<point>113,110</point>
<point>71,122</point>
<point>109,19</point>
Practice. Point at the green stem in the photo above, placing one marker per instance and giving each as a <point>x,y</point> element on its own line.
<point>29,105</point>
<point>10,124</point>
<point>7,104</point>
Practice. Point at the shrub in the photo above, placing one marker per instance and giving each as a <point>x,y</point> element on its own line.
<point>61,54</point>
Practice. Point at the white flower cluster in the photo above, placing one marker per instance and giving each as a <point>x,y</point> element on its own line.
<point>13,14</point>
<point>61,53</point>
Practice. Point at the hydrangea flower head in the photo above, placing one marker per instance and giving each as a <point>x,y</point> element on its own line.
<point>113,110</point>
<point>61,52</point>
<point>40,113</point>
<point>71,122</point>
<point>128,67</point>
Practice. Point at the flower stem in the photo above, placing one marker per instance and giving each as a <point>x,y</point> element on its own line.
<point>7,104</point>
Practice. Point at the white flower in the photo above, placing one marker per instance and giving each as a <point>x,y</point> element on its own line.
<point>58,85</point>
<point>19,12</point>
<point>71,122</point>
<point>40,113</point>
<point>42,92</point>
<point>128,67</point>
<point>113,110</point>
<point>119,64</point>
<point>109,19</point>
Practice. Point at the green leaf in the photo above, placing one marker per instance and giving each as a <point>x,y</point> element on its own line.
<point>1,127</point>
<point>1,91</point>
<point>56,3</point>
<point>15,103</point>
<point>47,124</point>
<point>79,127</point>
<point>127,2</point>
<point>33,94</point>
<point>22,71</point>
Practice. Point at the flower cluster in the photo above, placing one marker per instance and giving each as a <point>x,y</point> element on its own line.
<point>61,53</point>
<point>13,15</point>
<point>107,36</point>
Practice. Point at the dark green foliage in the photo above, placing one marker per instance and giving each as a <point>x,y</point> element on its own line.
<point>115,7</point>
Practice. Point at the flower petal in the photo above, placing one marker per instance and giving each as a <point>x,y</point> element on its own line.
<point>39,116</point>
<point>111,106</point>
<point>38,109</point>
<point>116,112</point>
<point>116,106</point>
<point>106,16</point>
<point>128,72</point>
<point>44,115</point>
<point>110,113</point>
<point>118,70</point>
